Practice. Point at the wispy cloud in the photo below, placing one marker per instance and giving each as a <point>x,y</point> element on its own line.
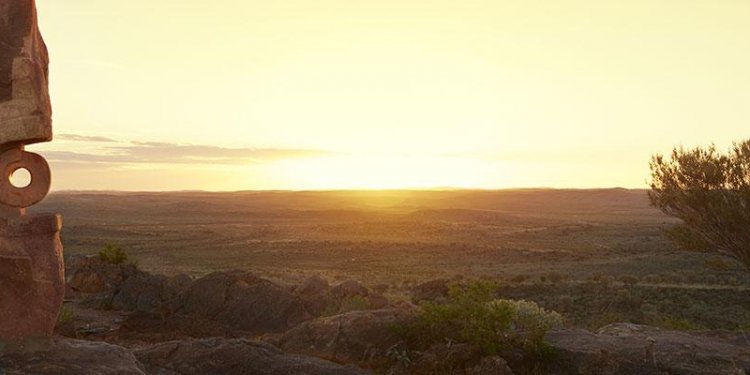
<point>92,63</point>
<point>158,152</point>
<point>83,138</point>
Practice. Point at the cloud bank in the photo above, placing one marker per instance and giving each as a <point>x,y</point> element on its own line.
<point>171,153</point>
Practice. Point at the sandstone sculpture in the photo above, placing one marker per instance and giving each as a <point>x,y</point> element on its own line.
<point>31,268</point>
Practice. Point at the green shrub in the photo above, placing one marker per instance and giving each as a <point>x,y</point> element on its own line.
<point>66,315</point>
<point>474,316</point>
<point>113,254</point>
<point>531,319</point>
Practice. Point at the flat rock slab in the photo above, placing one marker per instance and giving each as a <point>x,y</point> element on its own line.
<point>67,357</point>
<point>233,356</point>
<point>63,356</point>
<point>353,337</point>
<point>625,348</point>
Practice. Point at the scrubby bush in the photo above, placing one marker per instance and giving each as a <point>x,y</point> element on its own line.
<point>66,315</point>
<point>113,254</point>
<point>529,319</point>
<point>473,315</point>
<point>710,192</point>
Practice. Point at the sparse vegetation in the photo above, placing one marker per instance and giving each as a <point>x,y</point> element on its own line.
<point>113,254</point>
<point>586,244</point>
<point>474,316</point>
<point>66,315</point>
<point>594,304</point>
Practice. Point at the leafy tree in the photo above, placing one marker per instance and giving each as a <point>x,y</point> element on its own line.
<point>710,192</point>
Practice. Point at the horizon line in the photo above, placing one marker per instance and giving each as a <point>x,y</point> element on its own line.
<point>436,189</point>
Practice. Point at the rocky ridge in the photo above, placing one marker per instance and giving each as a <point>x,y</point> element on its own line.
<point>133,322</point>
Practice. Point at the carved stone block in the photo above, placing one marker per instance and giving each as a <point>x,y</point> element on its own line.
<point>31,276</point>
<point>32,282</point>
<point>25,111</point>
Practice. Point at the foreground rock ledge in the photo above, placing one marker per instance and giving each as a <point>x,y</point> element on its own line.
<point>60,356</point>
<point>625,348</point>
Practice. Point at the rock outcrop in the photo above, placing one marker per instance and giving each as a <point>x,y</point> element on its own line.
<point>233,356</point>
<point>315,293</point>
<point>60,356</point>
<point>242,301</point>
<point>625,348</point>
<point>223,303</point>
<point>182,314</point>
<point>353,337</point>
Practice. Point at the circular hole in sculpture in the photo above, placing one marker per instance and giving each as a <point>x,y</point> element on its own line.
<point>20,178</point>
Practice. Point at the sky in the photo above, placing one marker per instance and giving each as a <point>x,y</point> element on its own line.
<point>344,94</point>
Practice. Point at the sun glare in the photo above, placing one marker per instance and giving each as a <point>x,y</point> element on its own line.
<point>383,172</point>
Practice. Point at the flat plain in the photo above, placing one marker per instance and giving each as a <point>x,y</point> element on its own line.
<point>540,244</point>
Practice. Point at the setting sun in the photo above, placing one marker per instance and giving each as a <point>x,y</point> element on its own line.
<point>352,187</point>
<point>383,172</point>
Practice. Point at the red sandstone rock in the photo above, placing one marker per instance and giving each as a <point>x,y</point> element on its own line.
<point>25,112</point>
<point>32,283</point>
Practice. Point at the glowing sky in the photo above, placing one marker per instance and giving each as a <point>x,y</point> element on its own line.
<point>300,94</point>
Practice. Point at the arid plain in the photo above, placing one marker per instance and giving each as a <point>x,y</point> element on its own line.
<point>598,256</point>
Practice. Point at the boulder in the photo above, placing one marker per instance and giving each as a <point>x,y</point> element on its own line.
<point>353,337</point>
<point>123,286</point>
<point>143,291</point>
<point>349,289</point>
<point>61,356</point>
<point>92,275</point>
<point>232,356</point>
<point>315,294</point>
<point>351,295</point>
<point>243,301</point>
<point>215,304</point>
<point>313,286</point>
<point>625,348</point>
<point>432,291</point>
